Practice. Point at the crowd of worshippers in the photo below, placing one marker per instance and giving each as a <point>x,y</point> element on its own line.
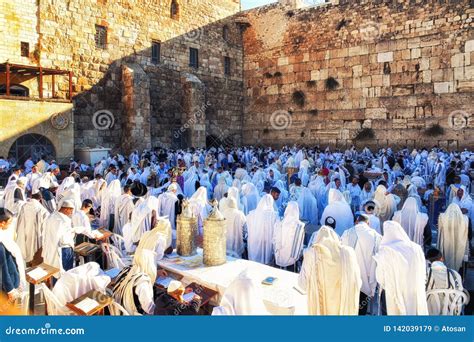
<point>372,214</point>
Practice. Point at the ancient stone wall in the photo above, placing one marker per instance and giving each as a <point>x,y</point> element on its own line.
<point>67,39</point>
<point>365,72</point>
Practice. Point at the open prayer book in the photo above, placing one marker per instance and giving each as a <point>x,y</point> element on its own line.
<point>37,273</point>
<point>87,304</point>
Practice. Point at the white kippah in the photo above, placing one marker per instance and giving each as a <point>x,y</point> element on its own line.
<point>174,285</point>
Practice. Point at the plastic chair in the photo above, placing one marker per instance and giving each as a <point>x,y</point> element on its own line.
<point>114,258</point>
<point>446,302</point>
<point>53,305</point>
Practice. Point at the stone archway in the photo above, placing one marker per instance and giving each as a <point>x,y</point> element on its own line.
<point>32,145</point>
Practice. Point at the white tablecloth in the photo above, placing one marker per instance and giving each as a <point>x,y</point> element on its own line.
<point>281,298</point>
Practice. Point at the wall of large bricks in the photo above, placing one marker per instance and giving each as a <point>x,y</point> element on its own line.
<point>402,68</point>
<point>68,30</point>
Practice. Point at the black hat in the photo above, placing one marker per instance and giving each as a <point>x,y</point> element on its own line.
<point>138,189</point>
<point>330,221</point>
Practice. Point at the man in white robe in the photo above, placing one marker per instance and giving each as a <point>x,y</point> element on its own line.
<point>250,197</point>
<point>340,210</point>
<point>58,238</point>
<point>236,228</point>
<point>453,236</point>
<point>330,275</point>
<point>412,220</point>
<point>288,237</point>
<point>143,219</point>
<point>440,277</point>
<point>221,188</point>
<point>15,195</point>
<point>401,272</point>
<point>386,204</point>
<point>108,201</point>
<point>365,242</point>
<point>30,227</point>
<point>308,206</point>
<point>243,297</point>
<point>261,224</point>
<point>123,210</point>
<point>167,204</point>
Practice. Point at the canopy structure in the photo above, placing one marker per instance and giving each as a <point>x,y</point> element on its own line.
<point>29,70</point>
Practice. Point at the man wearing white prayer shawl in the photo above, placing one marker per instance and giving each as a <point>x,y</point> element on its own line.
<point>199,206</point>
<point>107,208</point>
<point>412,220</point>
<point>308,206</point>
<point>123,210</point>
<point>453,236</point>
<point>221,188</point>
<point>232,193</point>
<point>250,197</point>
<point>464,201</point>
<point>387,205</point>
<point>243,297</point>
<point>401,272</point>
<point>261,225</point>
<point>288,237</point>
<point>30,227</point>
<point>15,195</point>
<point>365,242</point>
<point>330,275</point>
<point>167,203</point>
<point>80,280</point>
<point>133,288</point>
<point>340,210</point>
<point>143,219</point>
<point>236,228</point>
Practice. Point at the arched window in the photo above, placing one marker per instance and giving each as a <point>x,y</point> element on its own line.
<point>174,10</point>
<point>32,145</point>
<point>15,90</point>
<point>225,33</point>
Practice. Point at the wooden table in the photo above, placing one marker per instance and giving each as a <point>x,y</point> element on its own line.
<point>33,282</point>
<point>102,299</point>
<point>86,250</point>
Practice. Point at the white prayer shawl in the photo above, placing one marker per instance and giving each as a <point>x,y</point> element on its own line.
<point>465,203</point>
<point>401,272</point>
<point>220,189</point>
<point>331,276</point>
<point>56,227</point>
<point>10,203</point>
<point>66,184</point>
<point>30,227</point>
<point>141,218</point>
<point>199,206</point>
<point>243,297</point>
<point>288,237</point>
<point>387,204</point>
<point>308,207</point>
<point>80,280</point>
<point>250,193</point>
<point>365,242</point>
<point>73,193</point>
<point>412,220</point>
<point>110,197</point>
<point>123,210</point>
<point>365,196</point>
<point>167,206</point>
<point>7,239</point>
<point>339,210</point>
<point>260,225</point>
<point>235,227</point>
<point>190,185</point>
<point>453,236</point>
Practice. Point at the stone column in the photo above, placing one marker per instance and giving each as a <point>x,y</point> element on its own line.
<point>194,111</point>
<point>136,123</point>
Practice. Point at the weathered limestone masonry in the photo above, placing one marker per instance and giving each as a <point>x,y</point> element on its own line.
<point>67,41</point>
<point>395,69</point>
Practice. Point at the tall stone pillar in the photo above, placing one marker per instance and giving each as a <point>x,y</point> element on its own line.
<point>194,111</point>
<point>136,121</point>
